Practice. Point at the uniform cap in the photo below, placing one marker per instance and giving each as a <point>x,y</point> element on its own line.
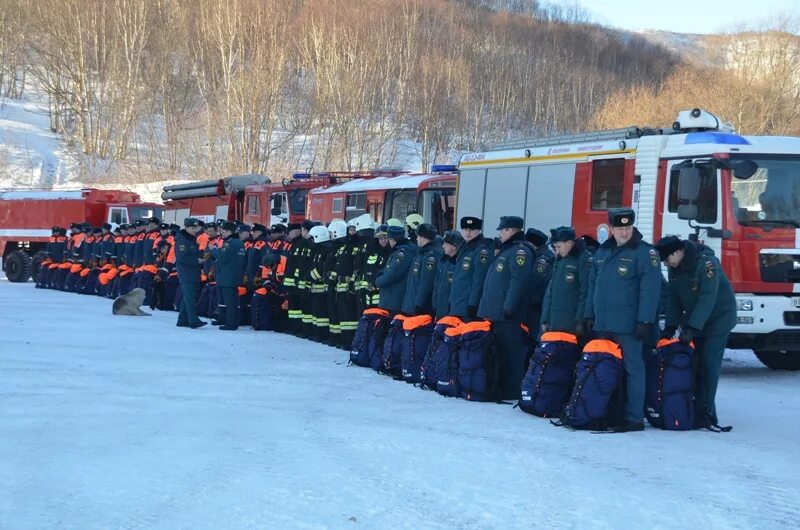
<point>174,227</point>
<point>163,226</point>
<point>243,228</point>
<point>106,226</point>
<point>621,217</point>
<point>562,234</point>
<point>278,227</point>
<point>454,237</point>
<point>510,221</point>
<point>473,223</point>
<point>294,226</point>
<point>190,222</point>
<point>427,230</point>
<point>55,229</point>
<point>260,228</point>
<point>307,224</point>
<point>667,245</point>
<point>97,230</point>
<point>382,230</point>
<point>396,232</point>
<point>230,226</point>
<point>154,220</point>
<point>535,237</point>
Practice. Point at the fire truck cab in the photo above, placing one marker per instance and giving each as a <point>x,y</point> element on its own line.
<point>430,194</point>
<point>739,195</point>
<point>27,218</point>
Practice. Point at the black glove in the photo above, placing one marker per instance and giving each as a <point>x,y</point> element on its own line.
<point>472,311</point>
<point>668,332</point>
<point>687,336</point>
<point>580,329</point>
<point>588,326</point>
<point>643,331</point>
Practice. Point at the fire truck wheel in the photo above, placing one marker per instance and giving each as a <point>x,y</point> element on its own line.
<point>778,360</point>
<point>18,266</point>
<point>36,264</point>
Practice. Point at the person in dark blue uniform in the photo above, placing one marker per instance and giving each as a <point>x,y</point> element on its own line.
<point>452,244</point>
<point>470,269</point>
<point>701,302</point>
<point>565,299</point>
<point>624,289</point>
<point>541,271</point>
<point>418,299</point>
<point>505,302</point>
<point>230,258</point>
<point>392,279</point>
<point>187,262</point>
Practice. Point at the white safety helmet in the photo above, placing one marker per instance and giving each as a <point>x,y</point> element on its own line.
<point>363,222</point>
<point>319,234</point>
<point>338,229</point>
<point>394,222</point>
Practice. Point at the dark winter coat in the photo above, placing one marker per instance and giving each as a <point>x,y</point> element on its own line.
<point>443,285</point>
<point>700,295</point>
<point>624,286</point>
<point>419,285</point>
<point>564,301</point>
<point>230,258</point>
<point>187,255</point>
<point>468,275</point>
<point>505,289</point>
<point>392,280</point>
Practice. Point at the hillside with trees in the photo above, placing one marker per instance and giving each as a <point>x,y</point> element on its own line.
<point>161,89</point>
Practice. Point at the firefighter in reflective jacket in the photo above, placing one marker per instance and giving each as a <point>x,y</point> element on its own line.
<point>470,270</point>
<point>294,263</point>
<point>318,287</point>
<point>392,279</point>
<point>505,303</point>
<point>565,299</point>
<point>622,304</point>
<point>418,299</point>
<point>701,301</point>
<point>373,258</point>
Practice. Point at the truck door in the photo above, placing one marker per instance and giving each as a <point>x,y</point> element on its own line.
<point>708,206</point>
<point>117,215</point>
<point>279,212</point>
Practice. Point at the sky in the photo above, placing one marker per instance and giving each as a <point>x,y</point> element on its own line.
<point>686,16</point>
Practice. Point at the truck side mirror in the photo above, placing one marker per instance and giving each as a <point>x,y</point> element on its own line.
<point>745,169</point>
<point>689,184</point>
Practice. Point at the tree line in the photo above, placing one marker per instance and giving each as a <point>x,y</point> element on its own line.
<point>155,89</point>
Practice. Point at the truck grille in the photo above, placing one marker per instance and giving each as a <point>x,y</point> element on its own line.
<point>780,268</point>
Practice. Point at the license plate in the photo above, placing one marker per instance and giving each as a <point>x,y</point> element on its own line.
<point>796,301</point>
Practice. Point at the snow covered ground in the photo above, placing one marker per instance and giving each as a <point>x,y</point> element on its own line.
<point>125,422</point>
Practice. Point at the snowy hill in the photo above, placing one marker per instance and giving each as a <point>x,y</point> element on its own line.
<point>30,154</point>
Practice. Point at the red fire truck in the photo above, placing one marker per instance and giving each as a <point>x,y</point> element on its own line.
<point>27,219</point>
<point>248,198</point>
<point>740,195</point>
<point>430,194</point>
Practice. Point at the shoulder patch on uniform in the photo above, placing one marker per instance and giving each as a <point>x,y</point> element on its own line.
<point>484,256</point>
<point>430,264</point>
<point>182,247</point>
<point>522,256</point>
<point>655,260</point>
<point>710,269</point>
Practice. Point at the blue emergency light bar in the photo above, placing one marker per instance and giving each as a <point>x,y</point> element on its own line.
<point>715,138</point>
<point>301,176</point>
<point>443,168</point>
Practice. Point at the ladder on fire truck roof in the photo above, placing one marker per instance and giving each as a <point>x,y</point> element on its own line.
<point>625,133</point>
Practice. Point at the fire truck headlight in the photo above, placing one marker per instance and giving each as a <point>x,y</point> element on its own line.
<point>744,304</point>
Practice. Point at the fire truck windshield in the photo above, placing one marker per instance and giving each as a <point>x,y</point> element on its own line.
<point>772,195</point>
<point>144,212</point>
<point>297,201</point>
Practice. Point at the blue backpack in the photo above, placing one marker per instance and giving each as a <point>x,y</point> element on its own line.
<point>371,322</point>
<point>262,309</point>
<point>477,368</point>
<point>547,384</point>
<point>437,352</point>
<point>669,399</point>
<point>417,331</point>
<point>392,349</point>
<point>598,379</point>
